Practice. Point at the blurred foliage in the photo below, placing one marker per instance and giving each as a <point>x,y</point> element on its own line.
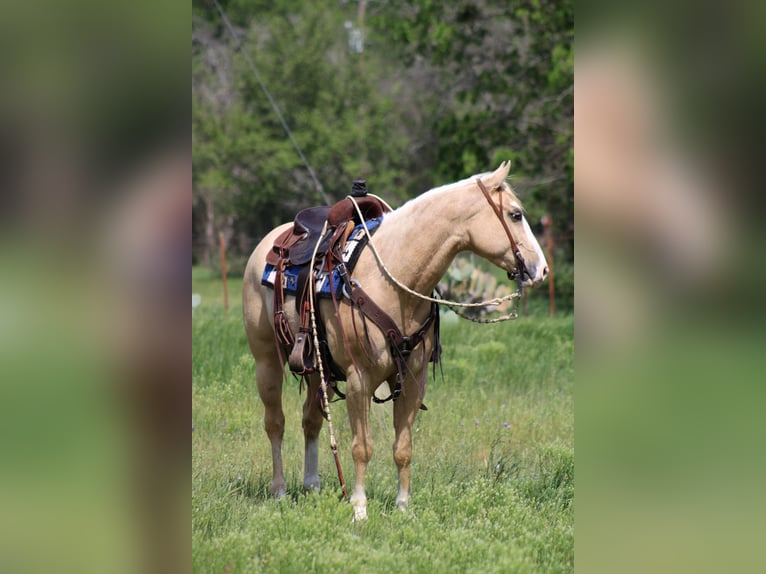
<point>440,91</point>
<point>504,77</point>
<point>246,174</point>
<point>563,290</point>
<point>471,279</point>
<point>467,283</point>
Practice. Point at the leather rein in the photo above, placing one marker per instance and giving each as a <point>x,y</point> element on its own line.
<point>521,268</point>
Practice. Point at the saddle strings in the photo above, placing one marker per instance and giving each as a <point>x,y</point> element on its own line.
<point>322,381</point>
<point>450,304</point>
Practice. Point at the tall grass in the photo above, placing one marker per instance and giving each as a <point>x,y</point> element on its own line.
<point>493,460</point>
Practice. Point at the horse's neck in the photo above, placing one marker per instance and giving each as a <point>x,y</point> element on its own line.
<point>420,239</point>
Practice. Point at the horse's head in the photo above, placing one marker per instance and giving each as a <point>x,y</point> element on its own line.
<point>500,233</point>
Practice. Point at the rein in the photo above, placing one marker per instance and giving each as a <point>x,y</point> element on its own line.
<point>452,305</point>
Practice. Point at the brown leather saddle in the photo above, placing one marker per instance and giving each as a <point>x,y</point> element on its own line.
<point>296,245</point>
<point>294,248</point>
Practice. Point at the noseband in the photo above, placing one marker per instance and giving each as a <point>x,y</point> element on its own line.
<point>521,267</point>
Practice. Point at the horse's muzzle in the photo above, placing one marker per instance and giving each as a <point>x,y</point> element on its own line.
<point>525,276</point>
<point>513,274</point>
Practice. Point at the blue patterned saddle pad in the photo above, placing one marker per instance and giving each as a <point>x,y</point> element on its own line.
<point>354,245</point>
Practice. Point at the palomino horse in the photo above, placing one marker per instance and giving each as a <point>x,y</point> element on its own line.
<point>417,243</point>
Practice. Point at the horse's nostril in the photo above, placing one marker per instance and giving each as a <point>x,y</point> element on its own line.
<point>545,272</point>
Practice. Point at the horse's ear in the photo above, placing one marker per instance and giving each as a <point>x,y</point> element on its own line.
<point>498,176</point>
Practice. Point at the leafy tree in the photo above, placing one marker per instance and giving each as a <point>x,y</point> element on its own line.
<point>501,88</point>
<point>247,176</point>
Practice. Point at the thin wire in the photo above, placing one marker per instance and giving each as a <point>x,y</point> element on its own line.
<point>266,92</point>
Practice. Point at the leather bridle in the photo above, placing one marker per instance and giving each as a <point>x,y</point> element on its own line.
<point>521,268</point>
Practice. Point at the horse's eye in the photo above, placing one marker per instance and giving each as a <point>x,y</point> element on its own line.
<point>515,215</point>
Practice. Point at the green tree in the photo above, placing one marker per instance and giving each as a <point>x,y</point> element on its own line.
<point>501,79</point>
<point>247,176</point>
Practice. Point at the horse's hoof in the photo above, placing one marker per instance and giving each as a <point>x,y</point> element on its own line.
<point>311,486</point>
<point>360,513</point>
<point>280,493</point>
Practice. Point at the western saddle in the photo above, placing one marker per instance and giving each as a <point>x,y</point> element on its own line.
<point>294,248</point>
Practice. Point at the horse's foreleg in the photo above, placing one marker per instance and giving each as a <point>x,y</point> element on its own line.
<point>268,375</point>
<point>358,405</point>
<point>312,424</point>
<point>405,409</point>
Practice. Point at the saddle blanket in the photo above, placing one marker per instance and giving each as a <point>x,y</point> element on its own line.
<point>354,245</point>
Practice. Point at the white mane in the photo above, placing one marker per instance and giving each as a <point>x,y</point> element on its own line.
<point>450,187</point>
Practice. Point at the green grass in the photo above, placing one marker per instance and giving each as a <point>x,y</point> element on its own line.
<point>492,471</point>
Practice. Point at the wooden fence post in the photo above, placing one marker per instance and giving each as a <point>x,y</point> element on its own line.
<point>223,273</point>
<point>547,221</point>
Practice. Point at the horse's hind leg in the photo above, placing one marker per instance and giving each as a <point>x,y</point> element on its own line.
<point>358,405</point>
<point>405,409</point>
<point>312,424</point>
<point>268,375</point>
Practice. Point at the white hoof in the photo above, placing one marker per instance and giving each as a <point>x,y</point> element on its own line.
<point>359,501</point>
<point>402,501</point>
<point>360,513</point>
<point>278,488</point>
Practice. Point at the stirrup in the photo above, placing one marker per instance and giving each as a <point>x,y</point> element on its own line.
<point>301,357</point>
<point>392,397</point>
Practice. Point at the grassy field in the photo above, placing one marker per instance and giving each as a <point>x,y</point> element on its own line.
<point>492,471</point>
